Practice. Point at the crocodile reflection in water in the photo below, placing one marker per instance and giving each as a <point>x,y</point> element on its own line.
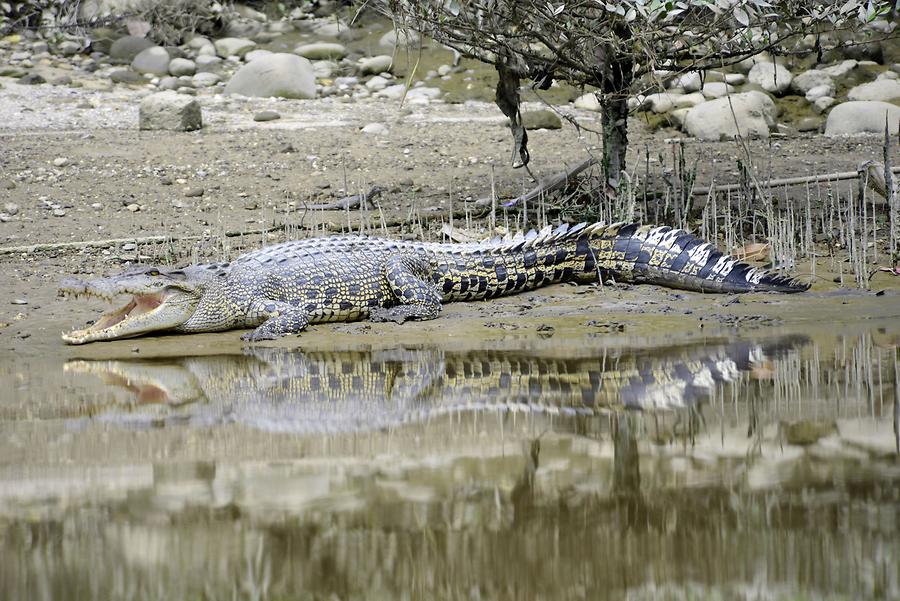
<point>323,392</point>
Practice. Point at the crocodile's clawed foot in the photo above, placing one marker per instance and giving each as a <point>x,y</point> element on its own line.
<point>257,336</point>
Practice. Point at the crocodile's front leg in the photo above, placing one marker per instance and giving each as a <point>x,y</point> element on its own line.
<point>417,297</point>
<point>280,318</point>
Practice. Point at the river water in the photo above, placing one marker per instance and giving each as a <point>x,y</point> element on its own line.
<point>758,467</point>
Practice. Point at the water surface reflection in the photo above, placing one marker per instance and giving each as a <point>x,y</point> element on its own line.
<point>754,469</point>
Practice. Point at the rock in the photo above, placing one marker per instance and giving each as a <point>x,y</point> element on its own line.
<point>170,111</point>
<point>755,113</point>
<point>128,47</point>
<point>61,162</point>
<point>321,51</point>
<point>588,102</point>
<point>206,80</point>
<point>735,79</point>
<point>263,116</point>
<point>747,64</point>
<point>689,82</point>
<point>32,79</point>
<point>281,74</point>
<point>540,119</point>
<point>133,207</point>
<point>376,129</point>
<point>11,208</point>
<point>208,64</point>
<point>194,192</point>
<point>208,50</point>
<point>329,29</point>
<point>233,46</point>
<point>59,212</point>
<point>255,54</point>
<point>68,48</point>
<point>689,100</point>
<point>807,124</point>
<point>716,89</point>
<point>324,69</point>
<point>61,80</point>
<point>377,83</point>
<point>40,47</point>
<point>4,217</point>
<point>808,80</point>
<point>819,92</point>
<point>19,301</point>
<point>889,75</point>
<point>840,69</point>
<point>771,77</point>
<point>880,89</point>
<point>400,39</point>
<point>820,105</point>
<point>126,76</point>
<point>660,102</point>
<point>168,83</point>
<point>182,66</point>
<point>862,116</point>
<point>153,60</point>
<point>677,117</point>
<point>383,63</point>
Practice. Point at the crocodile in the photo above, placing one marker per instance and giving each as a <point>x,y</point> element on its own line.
<point>281,289</point>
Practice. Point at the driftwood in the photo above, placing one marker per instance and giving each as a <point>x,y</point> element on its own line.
<point>11,250</point>
<point>788,181</point>
<point>549,184</point>
<point>349,202</point>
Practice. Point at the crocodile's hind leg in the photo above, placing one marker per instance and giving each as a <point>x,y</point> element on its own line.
<point>417,297</point>
<point>280,318</point>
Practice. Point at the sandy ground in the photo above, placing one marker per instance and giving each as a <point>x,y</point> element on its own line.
<point>78,169</point>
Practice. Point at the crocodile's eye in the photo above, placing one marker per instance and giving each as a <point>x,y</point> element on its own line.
<point>153,273</point>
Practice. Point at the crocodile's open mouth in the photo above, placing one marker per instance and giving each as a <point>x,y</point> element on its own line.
<point>144,313</point>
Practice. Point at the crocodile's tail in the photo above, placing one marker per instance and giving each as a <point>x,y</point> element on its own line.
<point>678,259</point>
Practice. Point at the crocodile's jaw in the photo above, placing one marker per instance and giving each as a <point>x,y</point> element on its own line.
<point>157,312</point>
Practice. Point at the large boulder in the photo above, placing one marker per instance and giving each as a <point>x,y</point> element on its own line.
<point>771,77</point>
<point>754,114</point>
<point>808,80</point>
<point>128,47</point>
<point>880,89</point>
<point>282,75</point>
<point>321,50</point>
<point>170,111</point>
<point>863,116</point>
<point>154,60</point>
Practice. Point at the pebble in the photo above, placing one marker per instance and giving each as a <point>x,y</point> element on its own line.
<point>194,192</point>
<point>133,207</point>
<point>266,116</point>
<point>4,218</point>
<point>19,301</point>
<point>11,208</point>
<point>129,246</point>
<point>378,129</point>
<point>59,212</point>
<point>60,161</point>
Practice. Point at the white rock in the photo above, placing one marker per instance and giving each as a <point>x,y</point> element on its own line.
<point>383,63</point>
<point>689,100</point>
<point>820,92</point>
<point>208,50</point>
<point>280,74</point>
<point>400,39</point>
<point>588,102</point>
<point>862,116</point>
<point>208,64</point>
<point>660,102</point>
<point>735,79</point>
<point>376,129</point>
<point>206,80</point>
<point>888,75</point>
<point>771,77</point>
<point>170,111</point>
<point>690,81</point>
<point>153,60</point>
<point>840,69</point>
<point>678,116</point>
<point>820,105</point>
<point>255,54</point>
<point>182,66</point>
<point>233,47</point>
<point>880,89</point>
<point>745,65</point>
<point>376,84</point>
<point>754,113</point>
<point>321,51</point>
<point>808,80</point>
<point>716,89</point>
